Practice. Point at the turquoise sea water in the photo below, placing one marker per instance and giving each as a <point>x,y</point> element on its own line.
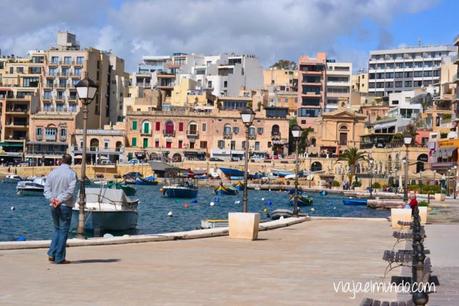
<point>31,216</point>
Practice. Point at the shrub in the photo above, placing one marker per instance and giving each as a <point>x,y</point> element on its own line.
<point>423,203</point>
<point>336,184</point>
<point>376,185</point>
<point>357,184</point>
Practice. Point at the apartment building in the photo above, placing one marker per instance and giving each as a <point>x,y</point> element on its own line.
<point>407,68</point>
<point>339,84</point>
<point>360,82</point>
<point>189,134</point>
<point>19,99</point>
<point>41,108</point>
<point>312,77</point>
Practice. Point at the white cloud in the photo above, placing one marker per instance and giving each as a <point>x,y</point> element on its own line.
<point>271,29</point>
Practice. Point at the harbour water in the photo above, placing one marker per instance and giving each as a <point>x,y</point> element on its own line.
<point>29,217</point>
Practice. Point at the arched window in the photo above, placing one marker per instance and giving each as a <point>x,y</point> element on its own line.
<point>421,160</point>
<point>343,135</point>
<point>316,166</point>
<point>119,146</point>
<point>227,129</point>
<point>94,144</point>
<point>252,131</point>
<point>146,127</point>
<point>177,157</point>
<point>275,130</point>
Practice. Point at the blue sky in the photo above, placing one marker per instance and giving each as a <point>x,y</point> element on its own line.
<point>270,29</point>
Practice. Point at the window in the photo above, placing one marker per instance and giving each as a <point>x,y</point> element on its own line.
<point>233,145</point>
<point>31,82</point>
<point>221,144</point>
<point>203,144</point>
<point>59,107</point>
<point>227,129</point>
<point>236,130</point>
<point>180,126</point>
<point>193,129</point>
<point>52,71</point>
<point>398,84</point>
<point>47,94</point>
<point>134,125</point>
<point>63,132</point>
<point>418,74</point>
<point>157,125</point>
<point>145,143</point>
<point>60,95</point>
<point>225,84</point>
<point>204,127</point>
<point>252,131</point>
<point>67,60</point>
<point>180,144</point>
<point>106,145</point>
<point>408,83</point>
<point>79,60</point>
<point>35,70</point>
<point>65,71</point>
<point>77,71</point>
<point>47,107</point>
<point>72,108</point>
<point>257,146</point>
<point>146,127</point>
<point>156,143</point>
<point>74,82</point>
<point>260,131</point>
<point>134,141</point>
<point>38,131</point>
<point>54,59</point>
<point>62,83</point>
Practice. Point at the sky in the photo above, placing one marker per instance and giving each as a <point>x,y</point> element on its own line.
<point>271,29</point>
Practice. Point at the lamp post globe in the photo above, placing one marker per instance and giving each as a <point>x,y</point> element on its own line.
<point>86,91</point>
<point>296,133</point>
<point>247,117</point>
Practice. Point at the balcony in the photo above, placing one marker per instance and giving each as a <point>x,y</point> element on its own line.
<point>17,110</point>
<point>63,138</point>
<point>168,133</point>
<point>145,133</point>
<point>50,137</point>
<point>276,136</point>
<point>192,134</point>
<point>39,137</point>
<point>227,136</point>
<point>253,136</point>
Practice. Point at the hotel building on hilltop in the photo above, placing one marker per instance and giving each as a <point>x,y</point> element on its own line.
<point>408,68</point>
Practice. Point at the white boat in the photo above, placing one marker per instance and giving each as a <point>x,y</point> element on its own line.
<point>108,210</point>
<point>34,187</point>
<point>12,179</point>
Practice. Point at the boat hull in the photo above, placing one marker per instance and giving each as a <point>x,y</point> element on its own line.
<point>109,220</point>
<point>180,193</point>
<point>361,202</point>
<point>226,191</point>
<point>302,201</point>
<point>29,192</point>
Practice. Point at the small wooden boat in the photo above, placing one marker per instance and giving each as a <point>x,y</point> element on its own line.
<point>149,180</point>
<point>226,190</point>
<point>303,200</point>
<point>239,185</point>
<point>31,188</point>
<point>355,202</point>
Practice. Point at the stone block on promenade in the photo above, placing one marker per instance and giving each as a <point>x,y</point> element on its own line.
<point>399,214</point>
<point>243,225</point>
<point>423,214</point>
<point>439,197</point>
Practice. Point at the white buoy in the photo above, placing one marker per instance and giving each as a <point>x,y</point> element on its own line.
<point>312,209</point>
<point>334,207</point>
<point>237,202</point>
<point>262,199</point>
<point>13,208</point>
<point>212,204</point>
<point>169,214</point>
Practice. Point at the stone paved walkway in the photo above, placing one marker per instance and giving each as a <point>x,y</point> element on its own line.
<point>290,266</point>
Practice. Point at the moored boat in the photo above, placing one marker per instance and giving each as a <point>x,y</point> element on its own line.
<point>128,190</point>
<point>35,187</point>
<point>303,200</point>
<point>108,210</point>
<point>355,201</point>
<point>149,180</point>
<point>12,179</point>
<point>239,185</point>
<point>226,190</point>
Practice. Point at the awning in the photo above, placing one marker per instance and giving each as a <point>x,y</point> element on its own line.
<point>444,152</point>
<point>11,145</point>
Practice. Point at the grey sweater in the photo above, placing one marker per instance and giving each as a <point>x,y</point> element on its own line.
<point>60,184</point>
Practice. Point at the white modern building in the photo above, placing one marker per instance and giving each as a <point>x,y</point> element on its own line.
<point>339,84</point>
<point>225,74</point>
<point>396,70</point>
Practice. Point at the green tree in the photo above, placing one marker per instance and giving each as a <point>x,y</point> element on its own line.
<point>284,64</point>
<point>352,156</point>
<point>304,141</point>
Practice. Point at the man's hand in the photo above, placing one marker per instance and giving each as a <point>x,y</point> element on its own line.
<point>55,202</point>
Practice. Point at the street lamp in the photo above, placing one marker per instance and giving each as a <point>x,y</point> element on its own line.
<point>296,133</point>
<point>371,161</point>
<point>407,140</point>
<point>86,90</point>
<point>455,181</point>
<point>247,116</point>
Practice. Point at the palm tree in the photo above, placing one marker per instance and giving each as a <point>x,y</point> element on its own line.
<point>352,156</point>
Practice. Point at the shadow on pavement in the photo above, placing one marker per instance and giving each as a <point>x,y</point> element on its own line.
<point>89,261</point>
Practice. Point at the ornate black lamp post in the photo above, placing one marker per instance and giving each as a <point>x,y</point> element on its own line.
<point>247,116</point>
<point>86,90</point>
<point>296,133</point>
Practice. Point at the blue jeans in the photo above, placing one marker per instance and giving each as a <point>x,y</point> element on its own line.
<point>62,216</point>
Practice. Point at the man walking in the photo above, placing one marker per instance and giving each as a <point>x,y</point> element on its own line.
<point>59,189</point>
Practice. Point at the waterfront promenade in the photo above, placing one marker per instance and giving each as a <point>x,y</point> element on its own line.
<point>296,265</point>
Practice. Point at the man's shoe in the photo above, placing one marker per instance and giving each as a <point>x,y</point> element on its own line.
<point>50,258</point>
<point>64,262</point>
